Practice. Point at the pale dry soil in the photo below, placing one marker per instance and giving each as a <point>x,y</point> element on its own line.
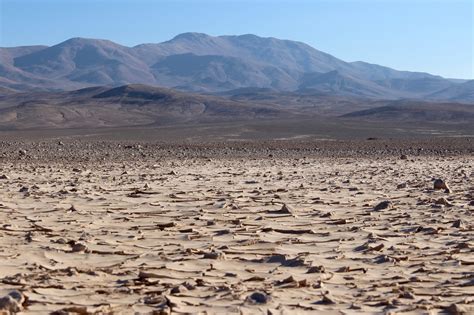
<point>204,235</point>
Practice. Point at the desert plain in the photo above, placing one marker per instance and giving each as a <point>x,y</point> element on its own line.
<point>91,226</point>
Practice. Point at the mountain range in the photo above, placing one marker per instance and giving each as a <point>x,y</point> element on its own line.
<point>196,62</point>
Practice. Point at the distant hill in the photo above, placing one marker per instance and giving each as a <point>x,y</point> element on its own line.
<point>202,63</point>
<point>128,105</point>
<point>142,105</point>
<point>412,111</point>
<point>463,92</point>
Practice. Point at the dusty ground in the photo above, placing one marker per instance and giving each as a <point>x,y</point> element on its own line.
<point>273,227</point>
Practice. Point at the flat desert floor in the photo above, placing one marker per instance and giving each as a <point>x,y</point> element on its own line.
<point>273,228</point>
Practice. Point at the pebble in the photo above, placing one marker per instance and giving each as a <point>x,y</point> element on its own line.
<point>455,309</point>
<point>441,184</point>
<point>12,302</point>
<point>316,269</point>
<point>78,247</point>
<point>443,201</point>
<point>387,204</point>
<point>286,209</point>
<point>178,289</point>
<point>214,255</point>
<point>458,224</point>
<point>24,189</point>
<point>258,298</point>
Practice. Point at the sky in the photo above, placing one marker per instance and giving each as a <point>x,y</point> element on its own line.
<point>434,36</point>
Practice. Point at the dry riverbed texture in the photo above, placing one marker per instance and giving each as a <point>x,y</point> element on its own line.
<point>273,228</point>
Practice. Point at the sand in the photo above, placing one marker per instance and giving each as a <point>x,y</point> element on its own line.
<point>247,233</point>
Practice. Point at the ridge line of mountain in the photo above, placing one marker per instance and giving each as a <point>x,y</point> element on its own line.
<point>202,63</point>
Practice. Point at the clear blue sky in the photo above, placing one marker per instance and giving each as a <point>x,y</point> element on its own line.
<point>435,36</point>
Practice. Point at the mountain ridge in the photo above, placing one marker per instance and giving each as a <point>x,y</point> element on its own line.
<point>221,63</point>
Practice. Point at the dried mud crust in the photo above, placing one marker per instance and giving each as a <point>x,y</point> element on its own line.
<point>269,227</point>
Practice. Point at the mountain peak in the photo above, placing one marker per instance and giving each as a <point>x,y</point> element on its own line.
<point>81,41</point>
<point>191,36</point>
<point>250,36</point>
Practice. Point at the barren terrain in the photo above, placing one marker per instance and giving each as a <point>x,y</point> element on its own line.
<point>236,227</point>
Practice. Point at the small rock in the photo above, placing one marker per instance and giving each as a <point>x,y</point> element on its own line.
<point>387,204</point>
<point>286,209</point>
<point>189,285</point>
<point>252,181</point>
<point>230,274</point>
<point>214,255</point>
<point>78,247</point>
<point>154,300</point>
<point>3,176</point>
<point>443,201</point>
<point>316,269</point>
<point>458,224</point>
<point>381,259</point>
<point>60,241</point>
<point>455,309</point>
<point>407,295</point>
<point>258,298</point>
<point>17,296</point>
<point>402,185</point>
<point>287,280</point>
<point>441,184</point>
<point>24,189</point>
<point>12,303</point>
<point>404,157</point>
<point>22,152</point>
<point>178,289</point>
<point>327,298</point>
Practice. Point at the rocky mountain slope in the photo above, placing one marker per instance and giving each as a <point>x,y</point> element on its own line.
<point>203,63</point>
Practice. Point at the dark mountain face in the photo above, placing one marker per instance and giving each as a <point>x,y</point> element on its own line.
<point>199,62</point>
